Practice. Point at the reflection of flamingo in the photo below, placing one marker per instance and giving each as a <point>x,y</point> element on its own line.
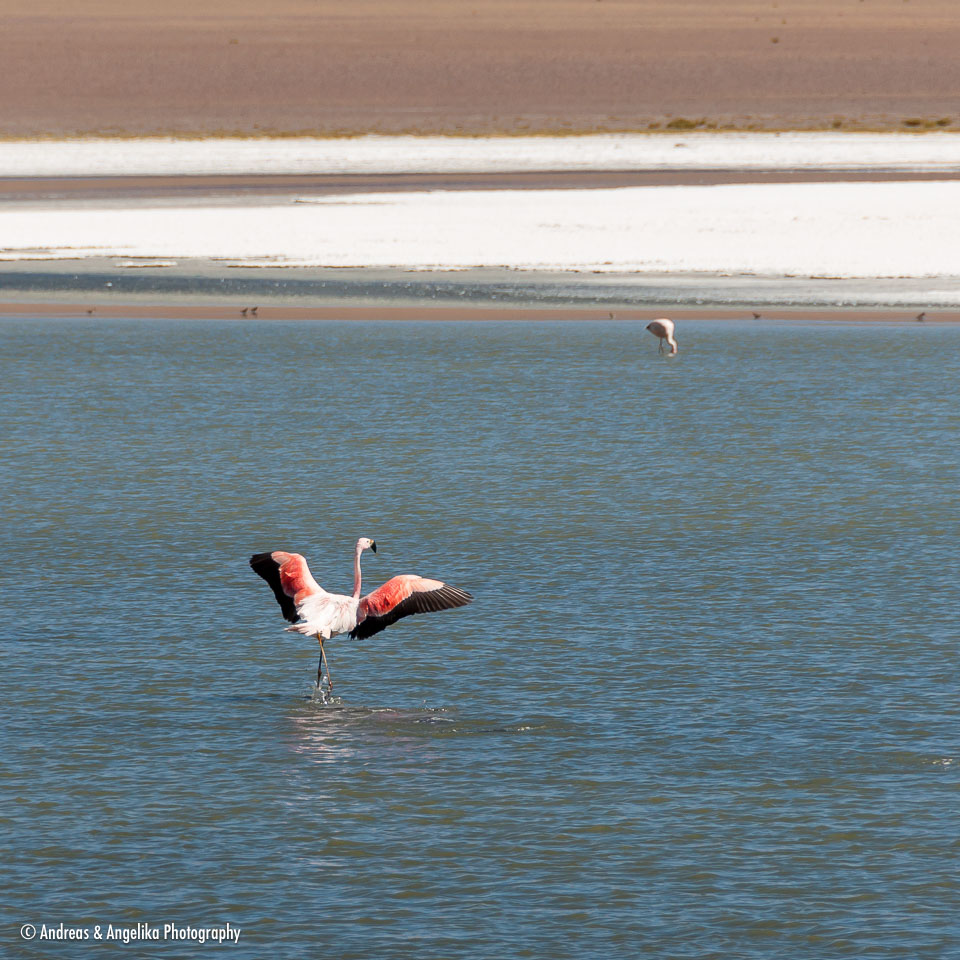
<point>314,612</point>
<point>663,328</point>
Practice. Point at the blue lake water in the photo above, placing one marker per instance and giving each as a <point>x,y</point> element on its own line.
<point>704,703</point>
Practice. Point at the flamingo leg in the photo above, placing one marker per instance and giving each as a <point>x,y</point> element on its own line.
<point>321,664</point>
<point>660,346</point>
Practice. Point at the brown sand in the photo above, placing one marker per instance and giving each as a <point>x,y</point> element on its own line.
<point>271,187</point>
<point>137,67</point>
<point>448,314</point>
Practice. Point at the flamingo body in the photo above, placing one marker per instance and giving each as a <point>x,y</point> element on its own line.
<point>311,610</point>
<point>663,329</point>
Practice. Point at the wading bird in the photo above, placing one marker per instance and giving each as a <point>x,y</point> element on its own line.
<point>663,329</point>
<point>314,612</point>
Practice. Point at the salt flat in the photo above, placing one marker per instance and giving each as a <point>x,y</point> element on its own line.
<point>853,230</point>
<point>378,154</point>
<point>862,230</point>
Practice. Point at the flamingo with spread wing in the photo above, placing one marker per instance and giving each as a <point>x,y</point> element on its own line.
<point>314,612</point>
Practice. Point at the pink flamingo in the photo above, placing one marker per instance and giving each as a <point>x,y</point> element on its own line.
<point>663,328</point>
<point>314,612</point>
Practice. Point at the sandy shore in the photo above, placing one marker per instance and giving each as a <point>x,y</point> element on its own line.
<point>139,67</point>
<point>249,188</point>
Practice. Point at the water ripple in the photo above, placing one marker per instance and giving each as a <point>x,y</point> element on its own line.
<point>700,707</point>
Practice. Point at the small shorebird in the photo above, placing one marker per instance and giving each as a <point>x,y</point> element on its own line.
<point>663,329</point>
<point>921,317</point>
<point>314,612</point>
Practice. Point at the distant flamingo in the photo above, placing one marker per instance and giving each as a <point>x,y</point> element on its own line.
<point>314,612</point>
<point>663,328</point>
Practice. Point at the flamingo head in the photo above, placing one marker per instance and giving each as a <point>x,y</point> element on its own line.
<point>365,543</point>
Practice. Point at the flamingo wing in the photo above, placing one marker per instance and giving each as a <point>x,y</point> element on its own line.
<point>289,578</point>
<point>401,597</point>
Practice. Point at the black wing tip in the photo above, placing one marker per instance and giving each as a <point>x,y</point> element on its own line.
<point>446,598</point>
<point>461,596</point>
<point>263,565</point>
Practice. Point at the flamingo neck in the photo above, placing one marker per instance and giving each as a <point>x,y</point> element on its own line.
<point>673,344</point>
<point>356,574</point>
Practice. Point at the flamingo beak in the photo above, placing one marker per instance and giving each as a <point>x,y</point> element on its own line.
<point>373,546</point>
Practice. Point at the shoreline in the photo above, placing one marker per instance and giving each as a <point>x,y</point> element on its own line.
<point>204,283</point>
<point>446,314</point>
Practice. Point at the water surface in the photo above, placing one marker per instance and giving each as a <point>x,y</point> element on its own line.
<point>704,703</point>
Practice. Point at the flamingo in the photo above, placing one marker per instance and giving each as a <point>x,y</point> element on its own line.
<point>663,328</point>
<point>314,612</point>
